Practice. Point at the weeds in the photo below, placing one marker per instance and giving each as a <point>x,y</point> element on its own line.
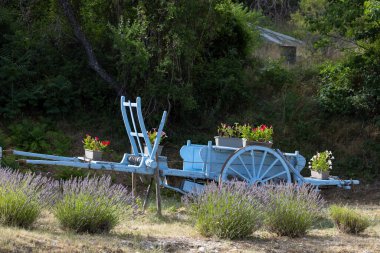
<point>347,220</point>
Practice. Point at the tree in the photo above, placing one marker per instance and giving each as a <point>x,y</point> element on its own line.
<point>350,86</point>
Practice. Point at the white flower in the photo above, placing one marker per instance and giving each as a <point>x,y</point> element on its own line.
<point>332,158</point>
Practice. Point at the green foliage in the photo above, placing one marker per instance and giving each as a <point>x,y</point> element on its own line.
<point>349,88</point>
<point>38,137</point>
<point>226,212</point>
<point>16,209</point>
<point>22,197</point>
<point>86,213</point>
<point>321,162</point>
<point>225,130</point>
<point>4,140</point>
<point>260,133</point>
<point>275,75</point>
<point>65,173</point>
<point>347,220</point>
<point>292,210</point>
<point>160,55</point>
<point>91,205</point>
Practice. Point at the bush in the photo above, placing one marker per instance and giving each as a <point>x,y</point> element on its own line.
<point>38,137</point>
<point>66,173</point>
<point>347,220</point>
<point>22,196</point>
<point>290,209</point>
<point>229,212</point>
<point>350,87</point>
<point>91,205</point>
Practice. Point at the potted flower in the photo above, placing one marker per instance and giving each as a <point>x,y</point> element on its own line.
<point>94,147</point>
<point>259,136</point>
<point>229,136</point>
<point>321,164</point>
<point>152,137</point>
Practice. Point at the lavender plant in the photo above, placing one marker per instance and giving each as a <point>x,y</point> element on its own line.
<point>92,204</point>
<point>22,197</point>
<point>290,209</point>
<point>229,211</point>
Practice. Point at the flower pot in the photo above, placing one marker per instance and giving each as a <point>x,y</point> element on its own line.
<point>159,150</point>
<point>228,142</point>
<point>93,155</point>
<point>320,175</point>
<point>257,143</point>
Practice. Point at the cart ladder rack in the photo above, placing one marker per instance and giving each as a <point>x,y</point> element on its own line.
<point>136,129</point>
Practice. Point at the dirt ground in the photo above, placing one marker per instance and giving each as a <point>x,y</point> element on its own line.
<point>174,233</point>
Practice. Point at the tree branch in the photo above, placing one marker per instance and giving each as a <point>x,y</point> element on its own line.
<point>92,61</point>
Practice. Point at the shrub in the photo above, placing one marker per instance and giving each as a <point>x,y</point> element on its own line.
<point>91,205</point>
<point>66,173</point>
<point>39,137</point>
<point>230,211</point>
<point>290,209</point>
<point>22,196</point>
<point>347,220</point>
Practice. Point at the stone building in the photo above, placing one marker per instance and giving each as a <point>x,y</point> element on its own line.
<point>279,46</point>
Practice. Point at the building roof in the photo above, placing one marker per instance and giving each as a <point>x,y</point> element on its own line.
<point>279,38</point>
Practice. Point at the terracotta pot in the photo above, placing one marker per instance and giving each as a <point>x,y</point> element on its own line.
<point>228,142</point>
<point>257,143</point>
<point>93,155</point>
<point>320,175</point>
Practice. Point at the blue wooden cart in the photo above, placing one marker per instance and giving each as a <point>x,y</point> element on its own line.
<point>201,163</point>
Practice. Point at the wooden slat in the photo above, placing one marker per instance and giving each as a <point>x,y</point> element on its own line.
<point>130,104</point>
<point>137,134</point>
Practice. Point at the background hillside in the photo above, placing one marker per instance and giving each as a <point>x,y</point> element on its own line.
<point>64,65</point>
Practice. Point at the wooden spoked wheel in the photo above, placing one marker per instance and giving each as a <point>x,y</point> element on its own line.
<point>255,165</point>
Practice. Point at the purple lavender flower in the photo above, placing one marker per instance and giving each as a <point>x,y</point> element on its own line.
<point>92,204</point>
<point>22,196</point>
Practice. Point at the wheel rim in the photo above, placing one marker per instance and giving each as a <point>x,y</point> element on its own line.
<point>255,165</point>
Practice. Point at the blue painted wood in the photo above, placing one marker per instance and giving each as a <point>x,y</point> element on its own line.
<point>152,155</point>
<point>142,125</point>
<point>291,160</point>
<point>254,164</point>
<point>98,166</point>
<point>192,160</point>
<point>127,126</point>
<point>185,174</point>
<point>44,156</point>
<point>331,182</point>
<point>135,133</point>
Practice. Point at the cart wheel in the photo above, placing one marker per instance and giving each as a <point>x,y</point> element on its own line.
<point>255,165</point>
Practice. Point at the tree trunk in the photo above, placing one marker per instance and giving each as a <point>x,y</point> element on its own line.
<point>92,61</point>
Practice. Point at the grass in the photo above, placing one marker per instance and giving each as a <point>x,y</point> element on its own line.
<point>175,233</point>
<point>348,220</point>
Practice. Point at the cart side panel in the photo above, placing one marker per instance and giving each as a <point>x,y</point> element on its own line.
<point>192,160</point>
